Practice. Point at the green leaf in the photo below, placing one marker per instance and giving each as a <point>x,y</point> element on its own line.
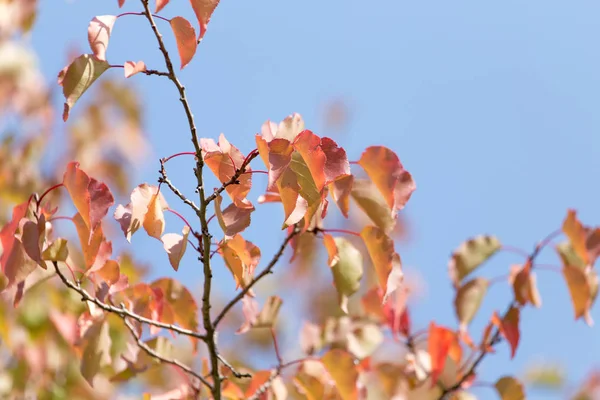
<point>308,188</point>
<point>79,76</point>
<point>468,300</point>
<point>371,201</point>
<point>57,251</point>
<point>510,389</point>
<point>470,255</point>
<point>346,264</point>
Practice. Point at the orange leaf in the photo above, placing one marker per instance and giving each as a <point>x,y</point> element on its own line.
<point>385,170</point>
<point>524,286</point>
<point>154,220</point>
<point>583,288</point>
<point>341,367</point>
<point>94,247</point>
<point>185,36</point>
<point>132,216</point>
<point>340,193</point>
<point>241,257</point>
<point>204,10</point>
<point>175,246</point>
<point>576,234</point>
<point>439,345</point>
<point>160,4</point>
<point>91,198</point>
<point>509,328</point>
<point>372,203</point>
<point>131,68</point>
<point>99,31</point>
<point>510,388</point>
<point>309,146</point>
<point>383,256</point>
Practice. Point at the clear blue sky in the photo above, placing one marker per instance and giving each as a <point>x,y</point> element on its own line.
<point>491,106</point>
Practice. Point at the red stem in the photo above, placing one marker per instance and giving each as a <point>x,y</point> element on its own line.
<point>549,267</point>
<point>276,346</point>
<point>515,250</point>
<point>250,155</point>
<point>48,191</point>
<point>60,217</point>
<point>183,153</point>
<point>498,279</point>
<point>210,219</point>
<point>341,231</point>
<point>256,171</point>
<point>183,219</point>
<point>354,163</point>
<point>140,13</point>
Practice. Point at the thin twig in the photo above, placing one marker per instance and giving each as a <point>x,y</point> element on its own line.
<point>164,179</point>
<point>152,353</point>
<point>121,311</point>
<point>155,72</point>
<point>236,373</point>
<point>268,269</point>
<point>206,237</point>
<point>236,176</point>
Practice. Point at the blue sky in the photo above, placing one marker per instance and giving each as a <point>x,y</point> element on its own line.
<point>491,106</point>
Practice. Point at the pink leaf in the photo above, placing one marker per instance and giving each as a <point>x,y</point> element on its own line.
<point>160,4</point>
<point>131,68</point>
<point>185,36</point>
<point>204,10</point>
<point>233,219</point>
<point>99,31</point>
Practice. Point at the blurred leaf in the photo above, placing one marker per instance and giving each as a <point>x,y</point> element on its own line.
<point>371,201</point>
<point>263,319</point>
<point>510,388</point>
<point>439,345</point>
<point>341,367</point>
<point>468,299</point>
<point>524,286</point>
<point>340,192</point>
<point>470,255</point>
<point>545,376</point>
<point>347,267</point>
<point>381,251</point>
<point>57,251</point>
<point>99,31</point>
<point>96,350</point>
<point>509,328</point>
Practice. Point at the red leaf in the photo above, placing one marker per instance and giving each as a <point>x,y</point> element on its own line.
<point>91,198</point>
<point>15,263</point>
<point>385,169</point>
<point>439,344</point>
<point>509,328</point>
<point>99,31</point>
<point>175,246</point>
<point>223,160</point>
<point>204,10</point>
<point>160,4</point>
<point>185,36</point>
<point>131,68</point>
<point>121,2</point>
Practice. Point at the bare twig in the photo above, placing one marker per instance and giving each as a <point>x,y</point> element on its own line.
<point>155,72</point>
<point>236,176</point>
<point>152,353</point>
<point>235,372</point>
<point>121,311</point>
<point>268,269</point>
<point>164,179</point>
<point>206,237</point>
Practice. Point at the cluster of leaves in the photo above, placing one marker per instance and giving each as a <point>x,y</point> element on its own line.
<point>105,314</point>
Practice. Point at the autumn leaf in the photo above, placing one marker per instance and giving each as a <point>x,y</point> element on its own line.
<point>185,37</point>
<point>524,285</point>
<point>179,302</point>
<point>32,236</point>
<point>175,246</point>
<point>583,288</point>
<point>241,257</point>
<point>388,174</point>
<point>510,388</point>
<point>372,203</point>
<point>110,272</point>
<point>99,31</point>
<point>133,215</point>
<point>78,77</point>
<point>16,265</point>
<point>381,250</point>
<point>233,220</point>
<point>468,300</point>
<point>308,189</point>
<point>203,10</point>
<point>94,247</point>
<point>439,345</point>
<point>91,198</point>
<point>96,345</point>
<point>160,4</point>
<point>509,328</point>
<point>56,251</point>
<point>340,193</point>
<point>131,68</point>
<point>347,267</point>
<point>224,159</point>
<point>341,367</point>
<point>253,318</point>
<point>287,129</point>
<point>576,234</point>
<point>470,255</point>
<point>154,220</point>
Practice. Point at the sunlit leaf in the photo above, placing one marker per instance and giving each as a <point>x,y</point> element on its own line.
<point>185,36</point>
<point>470,255</point>
<point>133,215</point>
<point>99,31</point>
<point>381,250</point>
<point>57,251</point>
<point>364,340</point>
<point>524,285</point>
<point>340,192</point>
<point>347,267</point>
<point>154,220</point>
<point>468,300</point>
<point>583,288</point>
<point>341,367</point>
<point>175,246</point>
<point>575,231</point>
<point>160,4</point>
<point>241,257</point>
<point>131,68</point>
<point>94,247</point>
<point>16,266</point>
<point>439,345</point>
<point>233,220</point>
<point>510,388</point>
<point>372,203</point>
<point>308,189</point>
<point>78,77</point>
<point>509,328</point>
<point>203,10</point>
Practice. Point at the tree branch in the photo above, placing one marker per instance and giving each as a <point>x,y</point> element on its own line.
<point>152,353</point>
<point>262,274</point>
<point>206,237</point>
<point>122,311</point>
<point>164,179</point>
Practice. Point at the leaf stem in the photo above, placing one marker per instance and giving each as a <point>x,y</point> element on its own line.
<point>183,219</point>
<point>39,202</point>
<point>183,153</point>
<point>347,232</point>
<point>141,13</point>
